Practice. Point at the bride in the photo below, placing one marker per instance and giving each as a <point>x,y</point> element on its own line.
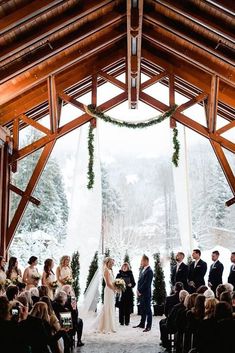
<point>106,319</point>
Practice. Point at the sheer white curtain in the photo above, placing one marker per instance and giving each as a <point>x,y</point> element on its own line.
<point>182,193</point>
<point>84,225</point>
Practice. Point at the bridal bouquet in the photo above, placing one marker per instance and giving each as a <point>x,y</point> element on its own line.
<point>54,284</point>
<point>68,280</point>
<point>17,280</point>
<point>7,282</point>
<point>120,284</point>
<point>36,277</point>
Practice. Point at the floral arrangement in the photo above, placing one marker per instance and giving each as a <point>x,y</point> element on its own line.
<point>120,284</point>
<point>7,282</point>
<point>54,284</point>
<point>36,277</point>
<point>17,280</point>
<point>68,280</point>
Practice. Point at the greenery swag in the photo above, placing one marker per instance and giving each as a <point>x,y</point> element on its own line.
<point>98,114</point>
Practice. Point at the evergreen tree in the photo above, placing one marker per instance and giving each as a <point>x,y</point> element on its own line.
<point>75,266</point>
<point>189,260</point>
<point>159,286</point>
<point>52,214</point>
<point>106,254</point>
<point>92,270</point>
<point>127,259</point>
<point>172,265</point>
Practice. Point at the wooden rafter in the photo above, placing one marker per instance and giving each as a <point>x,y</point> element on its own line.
<point>53,103</point>
<point>15,141</point>
<point>21,193</point>
<point>4,196</point>
<point>66,98</point>
<point>112,79</point>
<point>134,43</point>
<point>154,79</point>
<point>212,104</point>
<point>34,124</point>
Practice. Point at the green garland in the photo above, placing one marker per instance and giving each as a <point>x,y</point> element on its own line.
<point>96,113</point>
<point>90,173</point>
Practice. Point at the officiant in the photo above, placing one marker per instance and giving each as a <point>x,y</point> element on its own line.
<point>125,301</point>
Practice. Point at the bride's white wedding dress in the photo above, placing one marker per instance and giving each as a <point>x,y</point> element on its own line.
<point>106,319</point>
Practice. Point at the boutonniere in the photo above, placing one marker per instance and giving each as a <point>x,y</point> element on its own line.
<point>198,266</point>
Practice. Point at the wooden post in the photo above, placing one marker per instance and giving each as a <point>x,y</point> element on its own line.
<point>172,98</point>
<point>4,195</point>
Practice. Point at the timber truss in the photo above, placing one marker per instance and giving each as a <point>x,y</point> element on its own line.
<point>52,60</point>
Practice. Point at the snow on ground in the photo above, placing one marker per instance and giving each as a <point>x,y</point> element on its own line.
<point>125,340</point>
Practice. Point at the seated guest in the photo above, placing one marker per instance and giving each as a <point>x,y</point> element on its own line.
<point>209,294</point>
<point>216,271</point>
<point>233,301</point>
<point>21,286</point>
<point>197,271</point>
<point>194,318</point>
<point>34,294</point>
<point>64,302</point>
<point>173,299</point>
<point>43,291</point>
<point>231,277</point>
<point>220,289</point>
<point>228,287</point>
<point>226,297</point>
<point>225,328</point>
<point>207,329</point>
<point>201,289</point>
<point>180,271</point>
<point>12,292</point>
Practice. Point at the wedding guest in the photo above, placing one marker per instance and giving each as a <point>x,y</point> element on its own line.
<point>62,303</point>
<point>202,289</point>
<point>13,272</point>
<point>43,291</point>
<point>216,271</point>
<point>225,328</point>
<point>48,277</point>
<point>2,270</point>
<point>209,294</point>
<point>228,287</point>
<point>12,292</point>
<point>220,289</point>
<point>197,271</point>
<point>63,271</point>
<point>233,302</point>
<point>226,297</point>
<point>34,294</point>
<point>194,318</point>
<point>173,299</point>
<point>231,277</point>
<point>71,305</point>
<point>180,271</point>
<point>31,275</point>
<point>126,300</point>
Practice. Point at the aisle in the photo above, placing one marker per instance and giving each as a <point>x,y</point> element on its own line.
<point>125,340</point>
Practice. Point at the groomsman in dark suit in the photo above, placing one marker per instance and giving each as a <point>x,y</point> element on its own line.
<point>197,271</point>
<point>216,271</point>
<point>180,271</point>
<point>231,277</point>
<point>144,293</point>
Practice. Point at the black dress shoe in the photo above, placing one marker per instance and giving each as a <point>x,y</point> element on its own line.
<point>80,344</point>
<point>147,329</point>
<point>138,326</point>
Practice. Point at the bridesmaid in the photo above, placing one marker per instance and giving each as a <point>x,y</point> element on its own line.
<point>3,275</point>
<point>31,275</point>
<point>48,277</point>
<point>13,272</point>
<point>63,271</point>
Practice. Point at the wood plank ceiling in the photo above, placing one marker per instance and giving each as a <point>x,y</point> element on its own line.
<point>54,51</point>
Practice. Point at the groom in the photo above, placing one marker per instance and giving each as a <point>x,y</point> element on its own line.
<point>144,294</point>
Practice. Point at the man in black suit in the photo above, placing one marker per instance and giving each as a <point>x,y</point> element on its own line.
<point>144,293</point>
<point>197,271</point>
<point>173,299</point>
<point>180,271</point>
<point>231,277</point>
<point>216,271</point>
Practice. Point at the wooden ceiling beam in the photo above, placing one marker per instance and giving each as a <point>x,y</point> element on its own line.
<point>195,100</point>
<point>59,63</point>
<point>80,12</point>
<point>226,5</point>
<point>26,13</point>
<point>53,103</point>
<point>35,124</point>
<point>200,58</point>
<point>70,41</point>
<point>65,129</point>
<point>66,98</point>
<point>199,17</point>
<point>190,123</point>
<point>65,79</point>
<point>113,80</point>
<point>187,71</point>
<point>20,192</point>
<point>225,128</point>
<point>188,34</point>
<point>134,43</point>
<point>154,79</point>
<point>212,104</point>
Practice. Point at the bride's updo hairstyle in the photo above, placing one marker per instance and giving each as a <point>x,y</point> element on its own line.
<point>107,261</point>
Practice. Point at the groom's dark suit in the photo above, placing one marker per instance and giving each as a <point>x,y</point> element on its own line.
<point>144,289</point>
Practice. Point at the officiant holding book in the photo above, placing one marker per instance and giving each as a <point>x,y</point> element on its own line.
<point>125,300</point>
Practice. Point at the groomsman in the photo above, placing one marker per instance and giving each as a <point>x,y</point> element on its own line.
<point>197,271</point>
<point>180,271</point>
<point>231,277</point>
<point>216,271</point>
